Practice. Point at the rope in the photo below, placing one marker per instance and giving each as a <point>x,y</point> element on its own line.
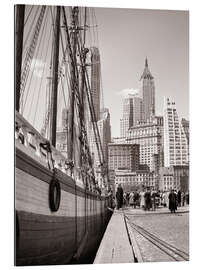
<point>41,76</point>
<point>30,30</point>
<point>31,75</point>
<point>28,16</point>
<point>38,48</point>
<point>30,54</point>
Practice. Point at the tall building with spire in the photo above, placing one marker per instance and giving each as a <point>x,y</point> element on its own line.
<point>95,80</point>
<point>148,92</point>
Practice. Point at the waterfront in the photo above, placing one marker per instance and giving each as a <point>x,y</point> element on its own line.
<point>71,173</point>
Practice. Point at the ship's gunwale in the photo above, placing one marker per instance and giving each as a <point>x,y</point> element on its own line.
<point>67,182</point>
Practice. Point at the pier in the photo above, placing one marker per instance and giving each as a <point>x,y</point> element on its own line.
<point>135,235</point>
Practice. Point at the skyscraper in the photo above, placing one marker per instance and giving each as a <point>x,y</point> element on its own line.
<point>127,119</point>
<point>95,80</point>
<point>148,92</point>
<point>132,113</point>
<point>137,110</point>
<point>176,151</point>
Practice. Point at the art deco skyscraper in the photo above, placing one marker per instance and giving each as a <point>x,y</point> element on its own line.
<point>148,91</point>
<point>132,113</point>
<point>176,151</point>
<point>137,110</point>
<point>127,119</point>
<point>95,80</point>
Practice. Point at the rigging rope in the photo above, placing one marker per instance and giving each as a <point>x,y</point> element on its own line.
<point>32,24</point>
<point>28,15</point>
<point>42,74</point>
<point>77,95</point>
<point>36,58</point>
<point>30,54</point>
<point>92,111</point>
<point>32,73</point>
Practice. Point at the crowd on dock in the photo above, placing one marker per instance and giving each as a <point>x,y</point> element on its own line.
<point>150,199</point>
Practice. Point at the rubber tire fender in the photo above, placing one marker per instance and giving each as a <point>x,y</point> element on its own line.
<point>54,199</point>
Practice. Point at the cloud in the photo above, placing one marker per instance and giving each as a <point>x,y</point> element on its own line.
<point>129,91</point>
<point>37,67</point>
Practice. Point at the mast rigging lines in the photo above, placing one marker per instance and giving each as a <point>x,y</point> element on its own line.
<point>77,52</point>
<point>30,54</point>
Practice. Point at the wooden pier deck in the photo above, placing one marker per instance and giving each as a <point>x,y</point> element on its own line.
<point>134,235</point>
<point>115,246</point>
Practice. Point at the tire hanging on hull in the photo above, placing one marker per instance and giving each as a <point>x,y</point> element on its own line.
<point>54,194</point>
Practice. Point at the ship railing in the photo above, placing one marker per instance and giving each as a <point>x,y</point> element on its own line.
<point>31,139</point>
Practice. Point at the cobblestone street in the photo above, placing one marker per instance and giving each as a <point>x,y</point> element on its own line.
<point>172,228</point>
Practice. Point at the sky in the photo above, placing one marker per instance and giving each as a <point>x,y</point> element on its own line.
<point>126,38</point>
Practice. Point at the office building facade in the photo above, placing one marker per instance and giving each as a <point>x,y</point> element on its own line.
<point>176,148</point>
<point>150,138</point>
<point>174,177</point>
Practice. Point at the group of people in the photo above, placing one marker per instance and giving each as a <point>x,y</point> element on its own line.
<point>148,199</point>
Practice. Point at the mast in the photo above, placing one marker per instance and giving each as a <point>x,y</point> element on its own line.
<point>20,14</point>
<point>54,90</point>
<point>84,52</point>
<point>74,83</point>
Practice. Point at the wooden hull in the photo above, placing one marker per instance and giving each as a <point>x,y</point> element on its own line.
<point>70,235</point>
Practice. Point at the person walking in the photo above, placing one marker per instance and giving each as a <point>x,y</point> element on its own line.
<point>119,197</point>
<point>183,198</point>
<point>172,201</point>
<point>136,198</point>
<point>124,198</point>
<point>187,197</point>
<point>179,198</point>
<point>131,198</point>
<point>164,199</point>
<point>142,199</point>
<point>153,199</point>
<point>147,197</point>
<point>127,198</point>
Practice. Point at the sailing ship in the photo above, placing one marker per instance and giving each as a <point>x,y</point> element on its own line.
<point>61,211</point>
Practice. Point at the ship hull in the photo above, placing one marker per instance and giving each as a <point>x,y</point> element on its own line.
<point>70,235</point>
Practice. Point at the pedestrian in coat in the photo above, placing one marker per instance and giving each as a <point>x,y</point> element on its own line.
<point>131,198</point>
<point>142,199</point>
<point>127,198</point>
<point>164,199</point>
<point>183,198</point>
<point>153,199</point>
<point>119,196</point>
<point>179,198</point>
<point>187,197</point>
<point>172,201</point>
<point>147,197</point>
<point>136,198</point>
<point>124,198</point>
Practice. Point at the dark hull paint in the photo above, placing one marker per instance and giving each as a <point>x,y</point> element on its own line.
<point>53,240</point>
<point>47,239</point>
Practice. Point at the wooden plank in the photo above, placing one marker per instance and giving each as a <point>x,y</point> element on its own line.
<point>115,246</point>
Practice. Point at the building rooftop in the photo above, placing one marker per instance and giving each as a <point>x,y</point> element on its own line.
<point>122,144</point>
<point>146,73</point>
